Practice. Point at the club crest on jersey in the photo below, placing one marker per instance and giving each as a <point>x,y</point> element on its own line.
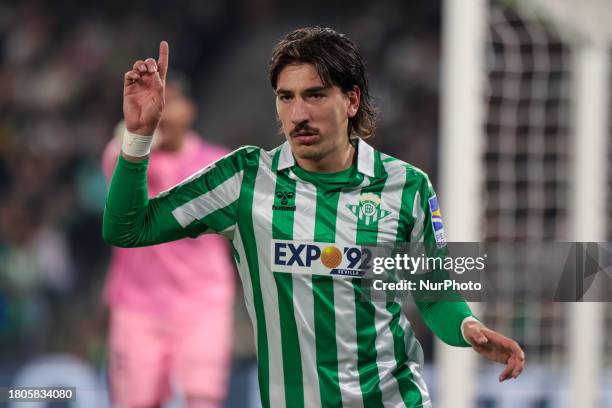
<point>368,210</point>
<point>436,221</point>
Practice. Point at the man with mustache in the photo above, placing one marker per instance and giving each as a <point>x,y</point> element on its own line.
<point>319,343</point>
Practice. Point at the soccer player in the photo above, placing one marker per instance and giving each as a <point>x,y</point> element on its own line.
<point>319,343</point>
<point>166,300</point>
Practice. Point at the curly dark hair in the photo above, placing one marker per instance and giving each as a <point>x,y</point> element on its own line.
<point>337,61</point>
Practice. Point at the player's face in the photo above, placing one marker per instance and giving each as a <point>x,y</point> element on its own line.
<point>314,117</point>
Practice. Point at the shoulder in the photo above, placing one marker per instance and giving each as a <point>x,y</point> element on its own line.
<point>248,152</point>
<point>229,168</point>
<point>239,160</point>
<point>399,169</point>
<point>256,156</point>
<point>243,158</point>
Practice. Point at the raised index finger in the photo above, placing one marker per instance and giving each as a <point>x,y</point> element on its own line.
<point>162,63</point>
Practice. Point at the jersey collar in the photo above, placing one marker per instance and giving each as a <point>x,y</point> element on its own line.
<point>368,159</point>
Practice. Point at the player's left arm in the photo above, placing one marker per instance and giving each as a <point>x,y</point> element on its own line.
<point>453,321</point>
<point>442,312</point>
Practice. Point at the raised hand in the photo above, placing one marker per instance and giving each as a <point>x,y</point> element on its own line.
<point>496,347</point>
<point>143,93</point>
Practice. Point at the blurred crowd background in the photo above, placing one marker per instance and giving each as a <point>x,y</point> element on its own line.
<point>61,70</point>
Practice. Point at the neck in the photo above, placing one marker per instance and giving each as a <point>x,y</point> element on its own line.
<point>335,161</point>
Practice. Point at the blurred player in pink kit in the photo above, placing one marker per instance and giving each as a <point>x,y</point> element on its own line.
<point>171,304</point>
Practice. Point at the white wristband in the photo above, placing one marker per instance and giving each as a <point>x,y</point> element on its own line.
<point>136,145</point>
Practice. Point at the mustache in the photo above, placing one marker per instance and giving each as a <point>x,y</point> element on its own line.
<point>303,128</point>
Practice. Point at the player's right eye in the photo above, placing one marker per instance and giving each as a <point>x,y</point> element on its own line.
<point>284,97</point>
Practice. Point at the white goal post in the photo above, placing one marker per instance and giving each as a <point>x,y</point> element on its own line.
<point>586,28</point>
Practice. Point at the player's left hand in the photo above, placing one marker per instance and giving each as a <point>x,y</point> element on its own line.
<point>496,347</point>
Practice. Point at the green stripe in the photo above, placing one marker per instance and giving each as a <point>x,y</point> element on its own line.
<point>389,159</point>
<point>282,228</point>
<point>221,171</point>
<point>221,219</point>
<point>245,225</point>
<point>406,222</point>
<point>324,310</point>
<point>379,166</point>
<point>409,390</point>
<point>369,377</point>
<point>276,157</point>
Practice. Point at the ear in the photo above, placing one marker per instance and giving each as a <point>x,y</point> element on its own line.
<point>354,98</point>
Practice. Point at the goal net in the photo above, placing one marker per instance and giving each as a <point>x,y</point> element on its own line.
<point>529,129</point>
<point>537,136</point>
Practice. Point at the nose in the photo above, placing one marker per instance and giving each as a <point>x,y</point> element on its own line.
<point>299,111</point>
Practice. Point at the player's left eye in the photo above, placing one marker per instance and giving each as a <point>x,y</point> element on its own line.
<point>316,96</point>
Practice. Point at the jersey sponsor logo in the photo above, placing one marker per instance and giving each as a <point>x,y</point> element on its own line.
<point>285,199</point>
<point>315,258</point>
<point>368,210</point>
<point>436,221</point>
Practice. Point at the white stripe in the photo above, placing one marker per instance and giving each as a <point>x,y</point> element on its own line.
<point>391,197</point>
<point>221,196</point>
<point>385,358</point>
<point>419,220</point>
<point>303,301</point>
<point>286,157</point>
<point>365,158</point>
<point>396,180</point>
<point>263,199</point>
<point>245,277</point>
<point>344,304</point>
<point>415,360</point>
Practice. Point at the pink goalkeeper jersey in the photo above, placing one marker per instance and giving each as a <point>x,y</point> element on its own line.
<point>174,279</point>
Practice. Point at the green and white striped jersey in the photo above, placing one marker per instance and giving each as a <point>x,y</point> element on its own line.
<point>319,344</point>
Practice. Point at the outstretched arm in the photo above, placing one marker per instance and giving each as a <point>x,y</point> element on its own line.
<point>495,347</point>
<point>452,321</point>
